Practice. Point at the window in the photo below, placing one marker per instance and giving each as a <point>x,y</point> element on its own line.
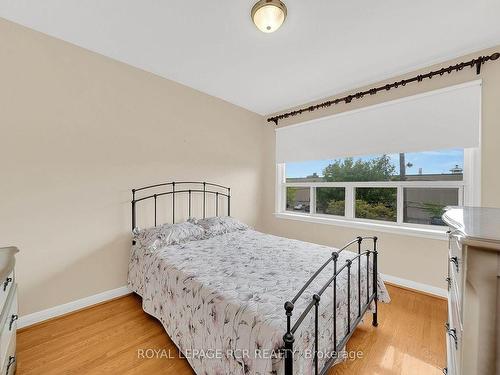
<point>376,203</point>
<point>330,200</point>
<point>298,199</point>
<point>385,185</point>
<point>425,206</point>
<point>405,189</point>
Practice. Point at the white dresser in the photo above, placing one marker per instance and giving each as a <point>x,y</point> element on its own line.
<point>8,306</point>
<point>473,328</point>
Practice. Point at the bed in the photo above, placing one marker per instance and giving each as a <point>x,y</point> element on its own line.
<point>244,302</point>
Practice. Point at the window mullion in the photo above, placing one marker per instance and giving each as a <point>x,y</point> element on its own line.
<point>400,205</point>
<point>280,204</point>
<point>312,200</point>
<point>349,201</point>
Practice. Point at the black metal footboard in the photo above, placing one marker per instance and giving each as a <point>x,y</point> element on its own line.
<point>340,338</point>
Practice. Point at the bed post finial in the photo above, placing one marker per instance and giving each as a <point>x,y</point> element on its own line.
<point>173,202</point>
<point>133,209</point>
<point>204,197</point>
<point>375,289</point>
<point>133,214</point>
<point>288,339</point>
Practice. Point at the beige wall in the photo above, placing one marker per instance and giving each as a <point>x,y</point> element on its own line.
<point>78,131</point>
<point>416,259</point>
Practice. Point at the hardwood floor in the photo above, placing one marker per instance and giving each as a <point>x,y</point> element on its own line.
<point>105,339</point>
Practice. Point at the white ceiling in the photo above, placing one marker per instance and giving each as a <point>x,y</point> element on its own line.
<point>323,48</point>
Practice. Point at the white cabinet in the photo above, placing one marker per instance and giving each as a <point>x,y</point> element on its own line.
<point>8,308</point>
<point>473,329</point>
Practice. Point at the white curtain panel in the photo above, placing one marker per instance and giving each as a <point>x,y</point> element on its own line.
<point>440,119</point>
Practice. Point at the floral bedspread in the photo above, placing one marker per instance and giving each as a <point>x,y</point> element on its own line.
<point>221,299</point>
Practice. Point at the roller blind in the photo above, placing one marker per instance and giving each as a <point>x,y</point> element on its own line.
<point>441,119</point>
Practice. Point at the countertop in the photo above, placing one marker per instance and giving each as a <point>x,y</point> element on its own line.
<point>478,226</point>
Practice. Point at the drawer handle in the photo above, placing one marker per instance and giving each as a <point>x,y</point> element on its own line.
<point>448,281</point>
<point>13,318</point>
<point>454,260</point>
<point>452,333</point>
<point>6,283</point>
<point>12,360</point>
<point>445,370</point>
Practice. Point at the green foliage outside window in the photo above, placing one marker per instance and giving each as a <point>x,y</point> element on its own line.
<point>335,208</point>
<point>290,196</point>
<point>348,170</point>
<point>371,203</point>
<point>433,209</point>
<point>375,211</point>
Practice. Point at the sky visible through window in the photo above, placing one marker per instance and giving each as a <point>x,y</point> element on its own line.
<point>431,162</point>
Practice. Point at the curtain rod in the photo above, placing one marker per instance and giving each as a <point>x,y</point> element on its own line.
<point>477,62</point>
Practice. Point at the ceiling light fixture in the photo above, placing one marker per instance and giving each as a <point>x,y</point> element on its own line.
<point>268,15</point>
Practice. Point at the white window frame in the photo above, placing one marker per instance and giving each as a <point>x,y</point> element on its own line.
<point>469,195</point>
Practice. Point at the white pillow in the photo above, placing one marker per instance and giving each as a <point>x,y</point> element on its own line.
<point>214,226</point>
<point>168,234</point>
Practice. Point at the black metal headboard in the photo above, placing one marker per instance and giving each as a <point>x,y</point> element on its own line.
<point>187,189</point>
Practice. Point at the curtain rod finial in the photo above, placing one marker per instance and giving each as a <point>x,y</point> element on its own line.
<point>273,119</point>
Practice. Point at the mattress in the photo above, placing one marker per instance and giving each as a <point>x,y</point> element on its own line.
<point>221,299</point>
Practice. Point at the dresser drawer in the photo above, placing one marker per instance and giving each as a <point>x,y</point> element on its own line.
<point>10,362</point>
<point>5,286</point>
<point>454,309</point>
<point>454,329</point>
<point>9,324</point>
<point>453,346</point>
<point>456,267</point>
<point>450,359</point>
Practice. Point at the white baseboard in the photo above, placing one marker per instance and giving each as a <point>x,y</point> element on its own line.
<point>429,289</point>
<point>66,308</point>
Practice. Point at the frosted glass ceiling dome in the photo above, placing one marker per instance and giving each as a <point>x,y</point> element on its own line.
<point>269,15</point>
